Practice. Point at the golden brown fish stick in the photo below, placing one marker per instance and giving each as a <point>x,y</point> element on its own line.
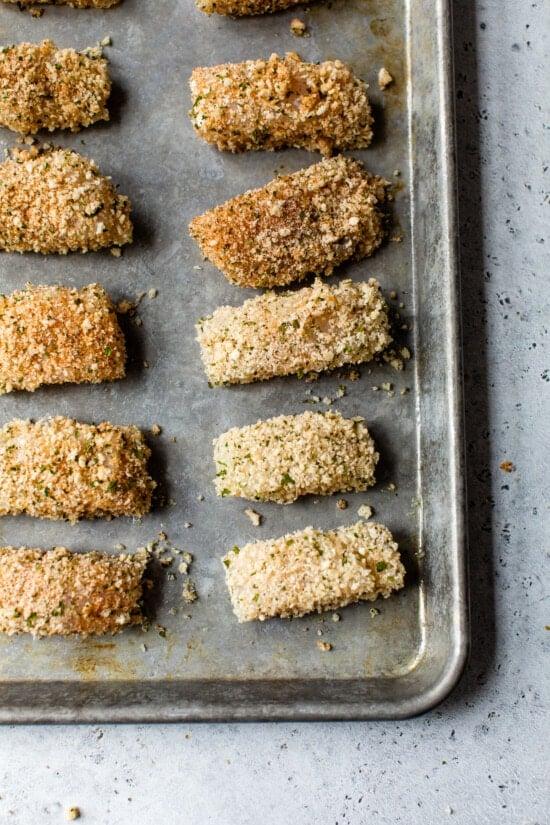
<point>312,571</point>
<point>57,201</point>
<point>59,335</point>
<point>76,4</point>
<point>58,468</point>
<point>43,87</point>
<point>310,330</point>
<point>295,455</point>
<point>57,592</point>
<point>308,222</point>
<point>243,8</point>
<point>282,101</point>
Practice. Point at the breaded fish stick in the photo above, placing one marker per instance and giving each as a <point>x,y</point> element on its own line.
<point>59,468</point>
<point>308,222</point>
<point>43,87</point>
<point>312,571</point>
<point>295,455</point>
<point>244,8</point>
<point>57,592</point>
<point>57,201</point>
<point>313,329</point>
<point>76,4</point>
<point>283,101</point>
<point>59,335</point>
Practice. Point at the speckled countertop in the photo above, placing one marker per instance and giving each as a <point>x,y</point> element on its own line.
<point>483,755</point>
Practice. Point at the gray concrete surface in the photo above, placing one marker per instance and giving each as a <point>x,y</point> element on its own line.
<point>482,756</point>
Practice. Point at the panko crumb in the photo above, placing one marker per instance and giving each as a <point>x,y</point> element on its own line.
<point>56,200</point>
<point>394,359</point>
<point>310,221</point>
<point>385,79</point>
<point>72,813</point>
<point>244,8</point>
<point>323,646</point>
<point>297,27</point>
<point>312,571</point>
<point>507,466</point>
<point>365,511</point>
<point>59,592</point>
<point>43,87</point>
<point>189,592</point>
<point>313,329</point>
<point>59,335</point>
<point>254,517</point>
<point>156,429</point>
<point>281,102</point>
<point>59,468</point>
<point>283,458</point>
<point>342,504</point>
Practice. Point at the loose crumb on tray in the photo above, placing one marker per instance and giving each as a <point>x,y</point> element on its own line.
<point>297,27</point>
<point>385,79</point>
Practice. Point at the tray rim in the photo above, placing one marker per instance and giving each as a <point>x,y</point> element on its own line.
<point>304,710</point>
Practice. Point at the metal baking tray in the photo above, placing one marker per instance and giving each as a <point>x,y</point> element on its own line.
<point>408,656</point>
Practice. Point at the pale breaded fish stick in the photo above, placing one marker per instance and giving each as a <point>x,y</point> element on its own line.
<point>43,87</point>
<point>283,101</point>
<point>310,330</point>
<point>295,455</point>
<point>57,201</point>
<point>76,4</point>
<point>59,335</point>
<point>58,468</point>
<point>244,8</point>
<point>308,222</point>
<point>59,593</point>
<point>312,571</point>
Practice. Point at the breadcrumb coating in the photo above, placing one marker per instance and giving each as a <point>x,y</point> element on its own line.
<point>310,330</point>
<point>279,102</point>
<point>301,224</point>
<point>295,455</point>
<point>58,592</point>
<point>76,4</point>
<point>312,571</point>
<point>59,335</point>
<point>57,201</point>
<point>43,87</point>
<point>58,468</point>
<point>244,8</point>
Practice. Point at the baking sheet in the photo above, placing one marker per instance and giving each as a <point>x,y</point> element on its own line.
<point>407,656</point>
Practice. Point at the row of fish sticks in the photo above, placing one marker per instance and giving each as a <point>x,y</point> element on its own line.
<point>56,201</point>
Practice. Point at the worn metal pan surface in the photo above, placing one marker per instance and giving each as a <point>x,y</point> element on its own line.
<point>397,662</point>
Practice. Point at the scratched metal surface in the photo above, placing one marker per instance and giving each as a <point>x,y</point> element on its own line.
<point>409,655</point>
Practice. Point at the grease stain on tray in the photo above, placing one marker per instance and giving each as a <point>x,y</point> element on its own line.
<point>100,661</point>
